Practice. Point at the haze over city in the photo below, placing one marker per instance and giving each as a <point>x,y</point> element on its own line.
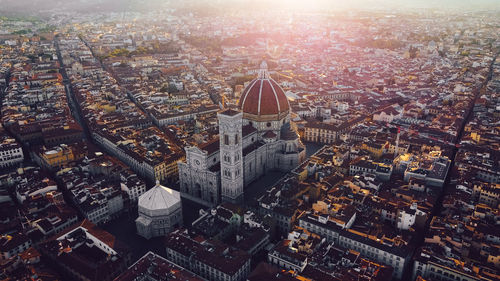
<point>92,6</point>
<point>250,140</point>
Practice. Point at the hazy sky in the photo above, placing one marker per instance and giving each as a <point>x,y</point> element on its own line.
<point>386,4</point>
<point>120,5</point>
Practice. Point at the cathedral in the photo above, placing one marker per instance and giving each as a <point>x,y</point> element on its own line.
<point>253,140</point>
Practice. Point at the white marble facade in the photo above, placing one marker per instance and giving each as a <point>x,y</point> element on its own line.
<point>253,140</point>
<point>160,212</point>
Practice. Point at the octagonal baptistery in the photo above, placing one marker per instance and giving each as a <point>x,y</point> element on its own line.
<point>264,103</point>
<point>160,211</point>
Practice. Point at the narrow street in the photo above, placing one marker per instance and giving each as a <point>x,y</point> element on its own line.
<point>439,203</point>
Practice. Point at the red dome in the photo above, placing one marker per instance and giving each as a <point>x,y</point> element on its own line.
<point>263,96</point>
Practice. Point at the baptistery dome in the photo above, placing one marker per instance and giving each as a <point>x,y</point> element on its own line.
<point>263,99</point>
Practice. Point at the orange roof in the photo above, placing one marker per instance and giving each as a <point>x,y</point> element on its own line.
<point>29,254</point>
<point>263,97</point>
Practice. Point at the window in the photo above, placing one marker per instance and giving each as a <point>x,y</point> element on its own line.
<point>236,139</point>
<point>268,124</point>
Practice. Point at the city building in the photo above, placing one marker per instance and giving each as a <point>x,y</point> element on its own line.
<point>152,266</point>
<point>58,157</point>
<point>323,133</point>
<point>393,251</point>
<point>400,107</point>
<point>86,252</point>
<point>12,245</point>
<point>210,259</point>
<point>11,153</point>
<point>160,211</point>
<point>252,140</point>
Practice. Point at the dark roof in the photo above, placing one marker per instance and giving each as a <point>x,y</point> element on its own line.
<point>153,265</point>
<point>269,134</point>
<point>210,252</point>
<point>229,112</point>
<point>211,146</point>
<point>8,242</point>
<point>247,130</point>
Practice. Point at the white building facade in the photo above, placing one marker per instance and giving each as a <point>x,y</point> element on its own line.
<point>11,153</point>
<point>253,139</point>
<point>160,211</point>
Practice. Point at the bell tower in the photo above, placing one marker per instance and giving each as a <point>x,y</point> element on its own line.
<point>231,155</point>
